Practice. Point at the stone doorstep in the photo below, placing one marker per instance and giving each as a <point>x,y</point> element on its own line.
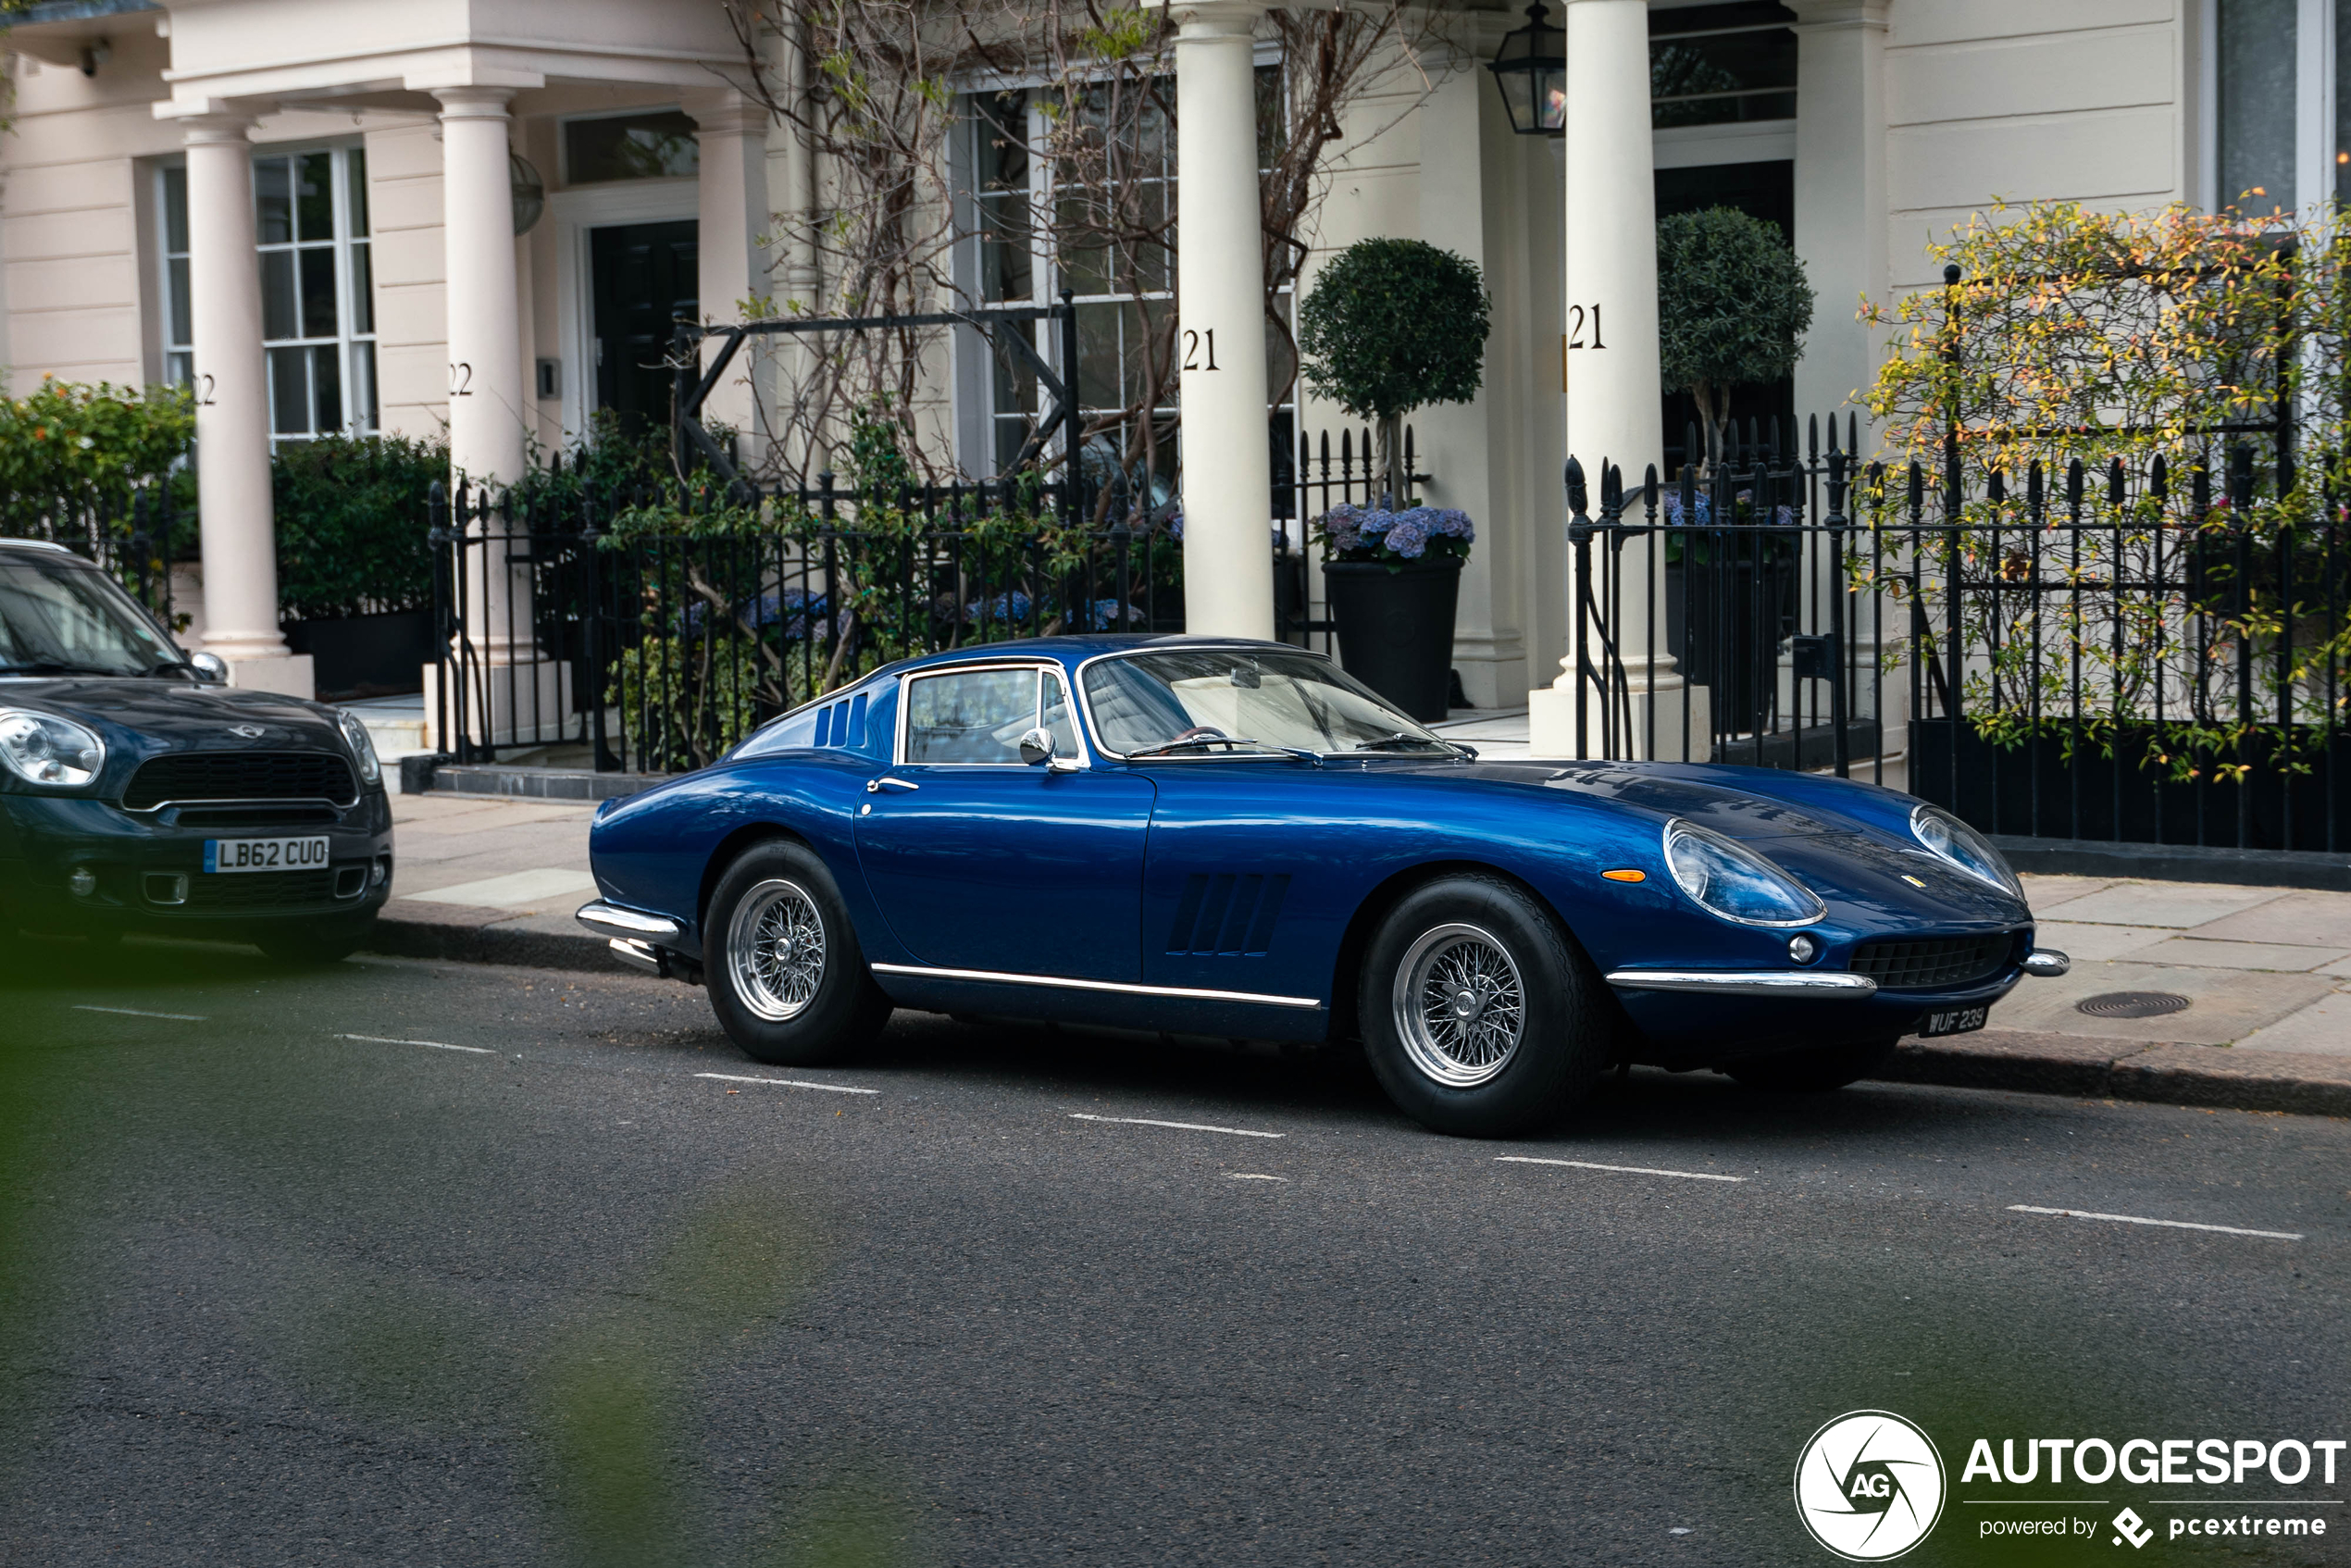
<point>2165,1072</point>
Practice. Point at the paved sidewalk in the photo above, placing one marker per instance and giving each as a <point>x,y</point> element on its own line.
<point>2266,971</point>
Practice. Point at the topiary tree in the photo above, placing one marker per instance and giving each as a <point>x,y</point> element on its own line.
<point>1391,324</point>
<point>1733,306</point>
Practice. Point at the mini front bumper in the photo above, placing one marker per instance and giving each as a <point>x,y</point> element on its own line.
<point>69,864</point>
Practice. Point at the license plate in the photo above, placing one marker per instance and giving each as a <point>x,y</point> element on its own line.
<point>1959,1021</point>
<point>265,854</point>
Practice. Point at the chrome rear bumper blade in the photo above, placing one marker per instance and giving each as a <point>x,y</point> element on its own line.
<point>2048,962</point>
<point>611,920</point>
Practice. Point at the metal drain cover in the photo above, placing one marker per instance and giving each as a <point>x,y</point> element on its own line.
<point>2132,1004</point>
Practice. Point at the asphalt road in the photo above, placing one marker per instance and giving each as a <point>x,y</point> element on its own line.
<point>512,1280</point>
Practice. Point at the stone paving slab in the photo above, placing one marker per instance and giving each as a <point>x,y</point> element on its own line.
<point>2322,1029</point>
<point>2226,1004</point>
<point>2175,904</point>
<point>2316,919</point>
<point>2203,951</point>
<point>2092,944</point>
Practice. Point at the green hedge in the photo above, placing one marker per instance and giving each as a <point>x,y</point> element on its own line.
<point>72,450</point>
<point>351,524</point>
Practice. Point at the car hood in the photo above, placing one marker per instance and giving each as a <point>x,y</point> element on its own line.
<point>1848,842</point>
<point>149,716</point>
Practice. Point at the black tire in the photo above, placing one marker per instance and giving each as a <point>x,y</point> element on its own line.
<point>1816,1071</point>
<point>311,946</point>
<point>778,1011</point>
<point>1455,1076</point>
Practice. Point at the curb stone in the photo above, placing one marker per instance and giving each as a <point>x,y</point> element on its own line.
<point>2156,1071</point>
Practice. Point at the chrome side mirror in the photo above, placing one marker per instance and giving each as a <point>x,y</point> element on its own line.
<point>1036,750</point>
<point>211,666</point>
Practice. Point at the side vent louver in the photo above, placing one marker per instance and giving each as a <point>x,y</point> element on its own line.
<point>1227,915</point>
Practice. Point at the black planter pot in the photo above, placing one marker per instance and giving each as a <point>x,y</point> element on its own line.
<point>1396,628</point>
<point>365,655</point>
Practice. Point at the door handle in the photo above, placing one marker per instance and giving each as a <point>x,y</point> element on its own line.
<point>873,786</point>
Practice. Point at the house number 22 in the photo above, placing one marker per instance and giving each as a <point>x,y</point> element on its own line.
<point>1576,313</point>
<point>1193,343</point>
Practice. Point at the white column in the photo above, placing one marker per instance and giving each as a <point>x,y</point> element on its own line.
<point>1229,555</point>
<point>1614,395</point>
<point>732,137</point>
<point>239,534</point>
<point>486,399</point>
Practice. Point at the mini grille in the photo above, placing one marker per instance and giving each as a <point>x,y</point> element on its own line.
<point>1937,963</point>
<point>240,776</point>
<point>1229,915</point>
<point>261,890</point>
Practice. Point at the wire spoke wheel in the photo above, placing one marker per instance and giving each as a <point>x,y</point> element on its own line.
<point>1460,1005</point>
<point>776,949</point>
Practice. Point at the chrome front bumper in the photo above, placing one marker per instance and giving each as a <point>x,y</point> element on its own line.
<point>1815,984</point>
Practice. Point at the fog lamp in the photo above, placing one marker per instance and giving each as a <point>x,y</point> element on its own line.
<point>83,881</point>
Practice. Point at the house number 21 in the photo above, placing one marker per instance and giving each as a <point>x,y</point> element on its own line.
<point>1576,313</point>
<point>1193,343</point>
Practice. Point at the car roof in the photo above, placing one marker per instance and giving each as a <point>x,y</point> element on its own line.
<point>37,544</point>
<point>1076,648</point>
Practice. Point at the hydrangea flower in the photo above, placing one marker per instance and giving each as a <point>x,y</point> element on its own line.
<point>1370,533</point>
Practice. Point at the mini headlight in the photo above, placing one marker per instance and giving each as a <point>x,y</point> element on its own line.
<point>1947,838</point>
<point>48,752</point>
<point>1727,879</point>
<point>362,747</point>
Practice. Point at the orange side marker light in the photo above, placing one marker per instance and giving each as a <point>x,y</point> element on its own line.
<point>1626,876</point>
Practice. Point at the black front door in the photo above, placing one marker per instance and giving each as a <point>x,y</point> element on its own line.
<point>644,276</point>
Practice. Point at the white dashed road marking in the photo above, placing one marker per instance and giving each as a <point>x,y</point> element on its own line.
<point>2170,1225</point>
<point>138,1013</point>
<point>785,1083</point>
<point>437,1045</point>
<point>1252,1176</point>
<point>1624,1170</point>
<point>1180,1126</point>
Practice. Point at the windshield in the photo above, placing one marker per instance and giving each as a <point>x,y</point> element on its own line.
<point>58,616</point>
<point>1189,702</point>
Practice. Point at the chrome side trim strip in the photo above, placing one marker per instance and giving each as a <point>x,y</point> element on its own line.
<point>608,919</point>
<point>2046,961</point>
<point>1184,994</point>
<point>1821,983</point>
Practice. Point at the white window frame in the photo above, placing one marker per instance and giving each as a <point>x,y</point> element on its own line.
<point>2314,88</point>
<point>353,350</point>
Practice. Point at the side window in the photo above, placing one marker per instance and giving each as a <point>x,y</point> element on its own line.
<point>979,715</point>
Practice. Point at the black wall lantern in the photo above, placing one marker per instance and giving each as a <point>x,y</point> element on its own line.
<point>1531,69</point>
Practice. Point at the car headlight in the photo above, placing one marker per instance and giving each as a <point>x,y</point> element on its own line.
<point>1727,879</point>
<point>47,752</point>
<point>1947,838</point>
<point>363,749</point>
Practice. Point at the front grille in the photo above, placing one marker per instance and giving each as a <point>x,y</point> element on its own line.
<point>240,776</point>
<point>260,890</point>
<point>1935,962</point>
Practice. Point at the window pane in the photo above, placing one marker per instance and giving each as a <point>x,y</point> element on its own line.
<point>315,195</point>
<point>653,146</point>
<point>363,289</point>
<point>363,385</point>
<point>176,328</point>
<point>1056,720</point>
<point>318,312</point>
<point>277,295</point>
<point>1098,356</point>
<point>978,717</point>
<point>326,387</point>
<point>2343,100</point>
<point>2255,112</point>
<point>355,162</point>
<point>1716,65</point>
<point>273,201</point>
<point>180,369</point>
<point>175,211</point>
<point>289,391</point>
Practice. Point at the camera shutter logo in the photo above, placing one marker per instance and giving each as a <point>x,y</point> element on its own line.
<point>1870,1486</point>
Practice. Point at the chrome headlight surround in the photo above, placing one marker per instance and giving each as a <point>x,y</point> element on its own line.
<point>1726,878</point>
<point>49,752</point>
<point>1963,848</point>
<point>363,747</point>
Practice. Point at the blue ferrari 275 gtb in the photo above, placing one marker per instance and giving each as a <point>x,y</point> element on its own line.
<point>1226,837</point>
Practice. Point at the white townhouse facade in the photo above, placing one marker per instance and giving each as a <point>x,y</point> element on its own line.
<point>478,216</point>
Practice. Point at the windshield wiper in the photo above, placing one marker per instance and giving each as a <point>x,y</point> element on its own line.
<point>1164,747</point>
<point>1405,737</point>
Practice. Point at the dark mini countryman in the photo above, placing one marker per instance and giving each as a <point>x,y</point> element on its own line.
<point>137,793</point>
